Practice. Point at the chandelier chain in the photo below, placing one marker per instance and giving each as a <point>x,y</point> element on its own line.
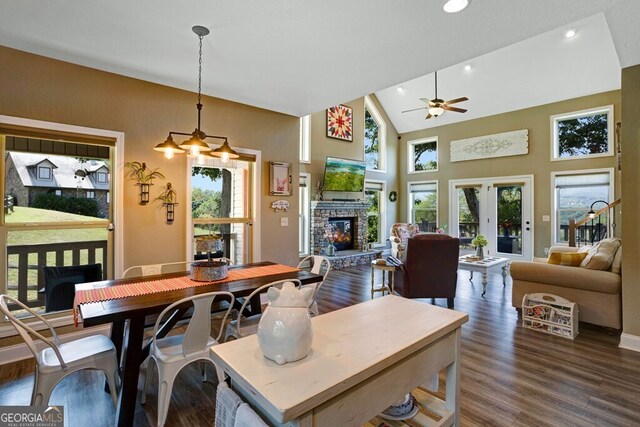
<point>200,70</point>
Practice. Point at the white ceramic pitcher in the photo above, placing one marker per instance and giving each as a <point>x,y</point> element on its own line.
<point>284,331</point>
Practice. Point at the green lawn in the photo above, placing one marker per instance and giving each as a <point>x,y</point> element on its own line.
<point>34,237</point>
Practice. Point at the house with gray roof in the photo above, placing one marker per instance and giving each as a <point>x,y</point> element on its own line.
<point>31,174</point>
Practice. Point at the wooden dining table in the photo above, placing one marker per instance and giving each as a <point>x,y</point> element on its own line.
<point>134,310</point>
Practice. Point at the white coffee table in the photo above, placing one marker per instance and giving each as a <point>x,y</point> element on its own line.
<point>485,266</point>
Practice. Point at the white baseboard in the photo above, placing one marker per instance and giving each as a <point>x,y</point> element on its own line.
<point>14,353</point>
<point>630,342</point>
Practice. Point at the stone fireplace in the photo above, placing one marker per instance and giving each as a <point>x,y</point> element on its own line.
<point>352,215</point>
<point>341,230</point>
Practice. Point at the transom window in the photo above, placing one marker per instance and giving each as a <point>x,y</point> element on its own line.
<point>44,172</point>
<point>374,137</point>
<point>374,193</point>
<point>423,204</point>
<point>587,133</point>
<point>304,219</point>
<point>575,192</point>
<point>305,139</point>
<point>423,155</point>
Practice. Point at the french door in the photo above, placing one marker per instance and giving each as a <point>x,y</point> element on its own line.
<point>499,208</point>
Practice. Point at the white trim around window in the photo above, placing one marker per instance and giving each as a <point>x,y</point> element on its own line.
<point>382,135</point>
<point>554,195</point>
<point>304,214</point>
<point>413,184</point>
<point>411,151</point>
<point>305,139</point>
<point>608,109</point>
<point>381,186</point>
<point>44,172</point>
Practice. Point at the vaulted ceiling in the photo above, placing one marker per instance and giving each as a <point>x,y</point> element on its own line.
<point>300,57</point>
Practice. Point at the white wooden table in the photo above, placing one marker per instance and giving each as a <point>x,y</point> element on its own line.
<point>363,359</point>
<point>485,266</point>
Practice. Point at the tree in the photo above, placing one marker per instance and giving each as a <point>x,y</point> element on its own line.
<point>219,203</point>
<point>583,135</point>
<point>419,150</point>
<point>371,140</point>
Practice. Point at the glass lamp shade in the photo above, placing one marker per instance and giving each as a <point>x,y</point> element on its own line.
<point>591,214</point>
<point>225,152</point>
<point>195,145</point>
<point>169,148</point>
<point>436,111</point>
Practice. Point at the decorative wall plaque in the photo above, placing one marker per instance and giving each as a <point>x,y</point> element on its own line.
<point>514,143</point>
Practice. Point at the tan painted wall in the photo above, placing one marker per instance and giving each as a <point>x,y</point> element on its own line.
<point>322,146</point>
<point>630,199</point>
<point>537,162</point>
<point>39,88</point>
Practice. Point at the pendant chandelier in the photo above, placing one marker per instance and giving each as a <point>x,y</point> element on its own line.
<point>195,145</point>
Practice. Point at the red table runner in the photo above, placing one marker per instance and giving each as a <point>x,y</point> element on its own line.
<point>165,285</point>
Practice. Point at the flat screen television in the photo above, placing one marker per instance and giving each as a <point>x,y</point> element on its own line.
<point>344,175</point>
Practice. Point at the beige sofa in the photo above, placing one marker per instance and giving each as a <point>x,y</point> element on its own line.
<point>597,293</point>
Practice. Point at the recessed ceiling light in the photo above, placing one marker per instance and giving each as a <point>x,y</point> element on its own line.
<point>400,89</point>
<point>467,67</point>
<point>454,6</point>
<point>570,33</point>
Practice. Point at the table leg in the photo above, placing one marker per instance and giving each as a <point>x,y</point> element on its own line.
<point>393,281</point>
<point>452,402</point>
<point>256,307</point>
<point>504,275</point>
<point>117,333</point>
<point>133,349</point>
<point>484,283</point>
<point>372,280</point>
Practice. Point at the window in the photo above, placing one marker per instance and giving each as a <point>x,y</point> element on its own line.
<point>44,172</point>
<point>58,192</point>
<point>423,204</point>
<point>374,193</point>
<point>304,219</point>
<point>423,155</point>
<point>91,194</point>
<point>575,192</point>
<point>305,139</point>
<point>108,198</point>
<point>102,177</point>
<point>374,137</point>
<point>581,134</point>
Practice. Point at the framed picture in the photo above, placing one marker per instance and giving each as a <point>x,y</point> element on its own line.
<point>279,179</point>
<point>340,123</point>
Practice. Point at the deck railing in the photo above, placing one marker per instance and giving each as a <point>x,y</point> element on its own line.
<point>23,259</point>
<point>590,230</point>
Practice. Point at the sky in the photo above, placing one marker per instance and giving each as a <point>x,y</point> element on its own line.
<point>206,183</point>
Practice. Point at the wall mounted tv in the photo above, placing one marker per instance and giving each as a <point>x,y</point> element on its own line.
<point>344,175</point>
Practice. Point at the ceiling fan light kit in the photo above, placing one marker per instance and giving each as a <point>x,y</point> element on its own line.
<point>455,6</point>
<point>437,106</point>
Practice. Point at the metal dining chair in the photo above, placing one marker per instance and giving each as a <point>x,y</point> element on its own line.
<point>318,263</point>
<point>242,327</point>
<point>174,352</point>
<point>57,360</point>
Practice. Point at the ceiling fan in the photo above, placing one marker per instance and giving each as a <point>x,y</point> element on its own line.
<point>437,106</point>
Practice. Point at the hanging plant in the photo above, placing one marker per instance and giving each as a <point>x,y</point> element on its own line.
<point>168,199</point>
<point>144,178</point>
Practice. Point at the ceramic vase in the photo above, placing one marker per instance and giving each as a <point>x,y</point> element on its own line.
<point>284,331</point>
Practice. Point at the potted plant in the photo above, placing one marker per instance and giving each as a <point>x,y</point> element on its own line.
<point>168,199</point>
<point>144,177</point>
<point>479,242</point>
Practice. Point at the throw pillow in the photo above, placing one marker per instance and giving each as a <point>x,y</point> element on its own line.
<point>571,259</point>
<point>616,267</point>
<point>600,256</point>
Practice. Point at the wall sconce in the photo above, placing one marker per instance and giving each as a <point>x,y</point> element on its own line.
<point>168,199</point>
<point>144,177</point>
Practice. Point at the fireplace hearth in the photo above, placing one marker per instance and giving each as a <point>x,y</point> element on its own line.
<point>341,230</point>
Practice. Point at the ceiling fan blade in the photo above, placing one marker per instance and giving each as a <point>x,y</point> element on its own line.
<point>455,101</point>
<point>428,116</point>
<point>414,109</point>
<point>425,100</point>
<point>457,110</point>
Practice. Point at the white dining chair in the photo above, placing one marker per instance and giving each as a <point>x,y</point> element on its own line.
<point>318,263</point>
<point>174,352</point>
<point>245,326</point>
<point>57,360</point>
<point>153,269</point>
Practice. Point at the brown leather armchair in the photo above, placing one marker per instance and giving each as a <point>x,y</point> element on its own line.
<point>430,269</point>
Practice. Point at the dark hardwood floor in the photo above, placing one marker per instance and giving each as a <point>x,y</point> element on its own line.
<point>510,376</point>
